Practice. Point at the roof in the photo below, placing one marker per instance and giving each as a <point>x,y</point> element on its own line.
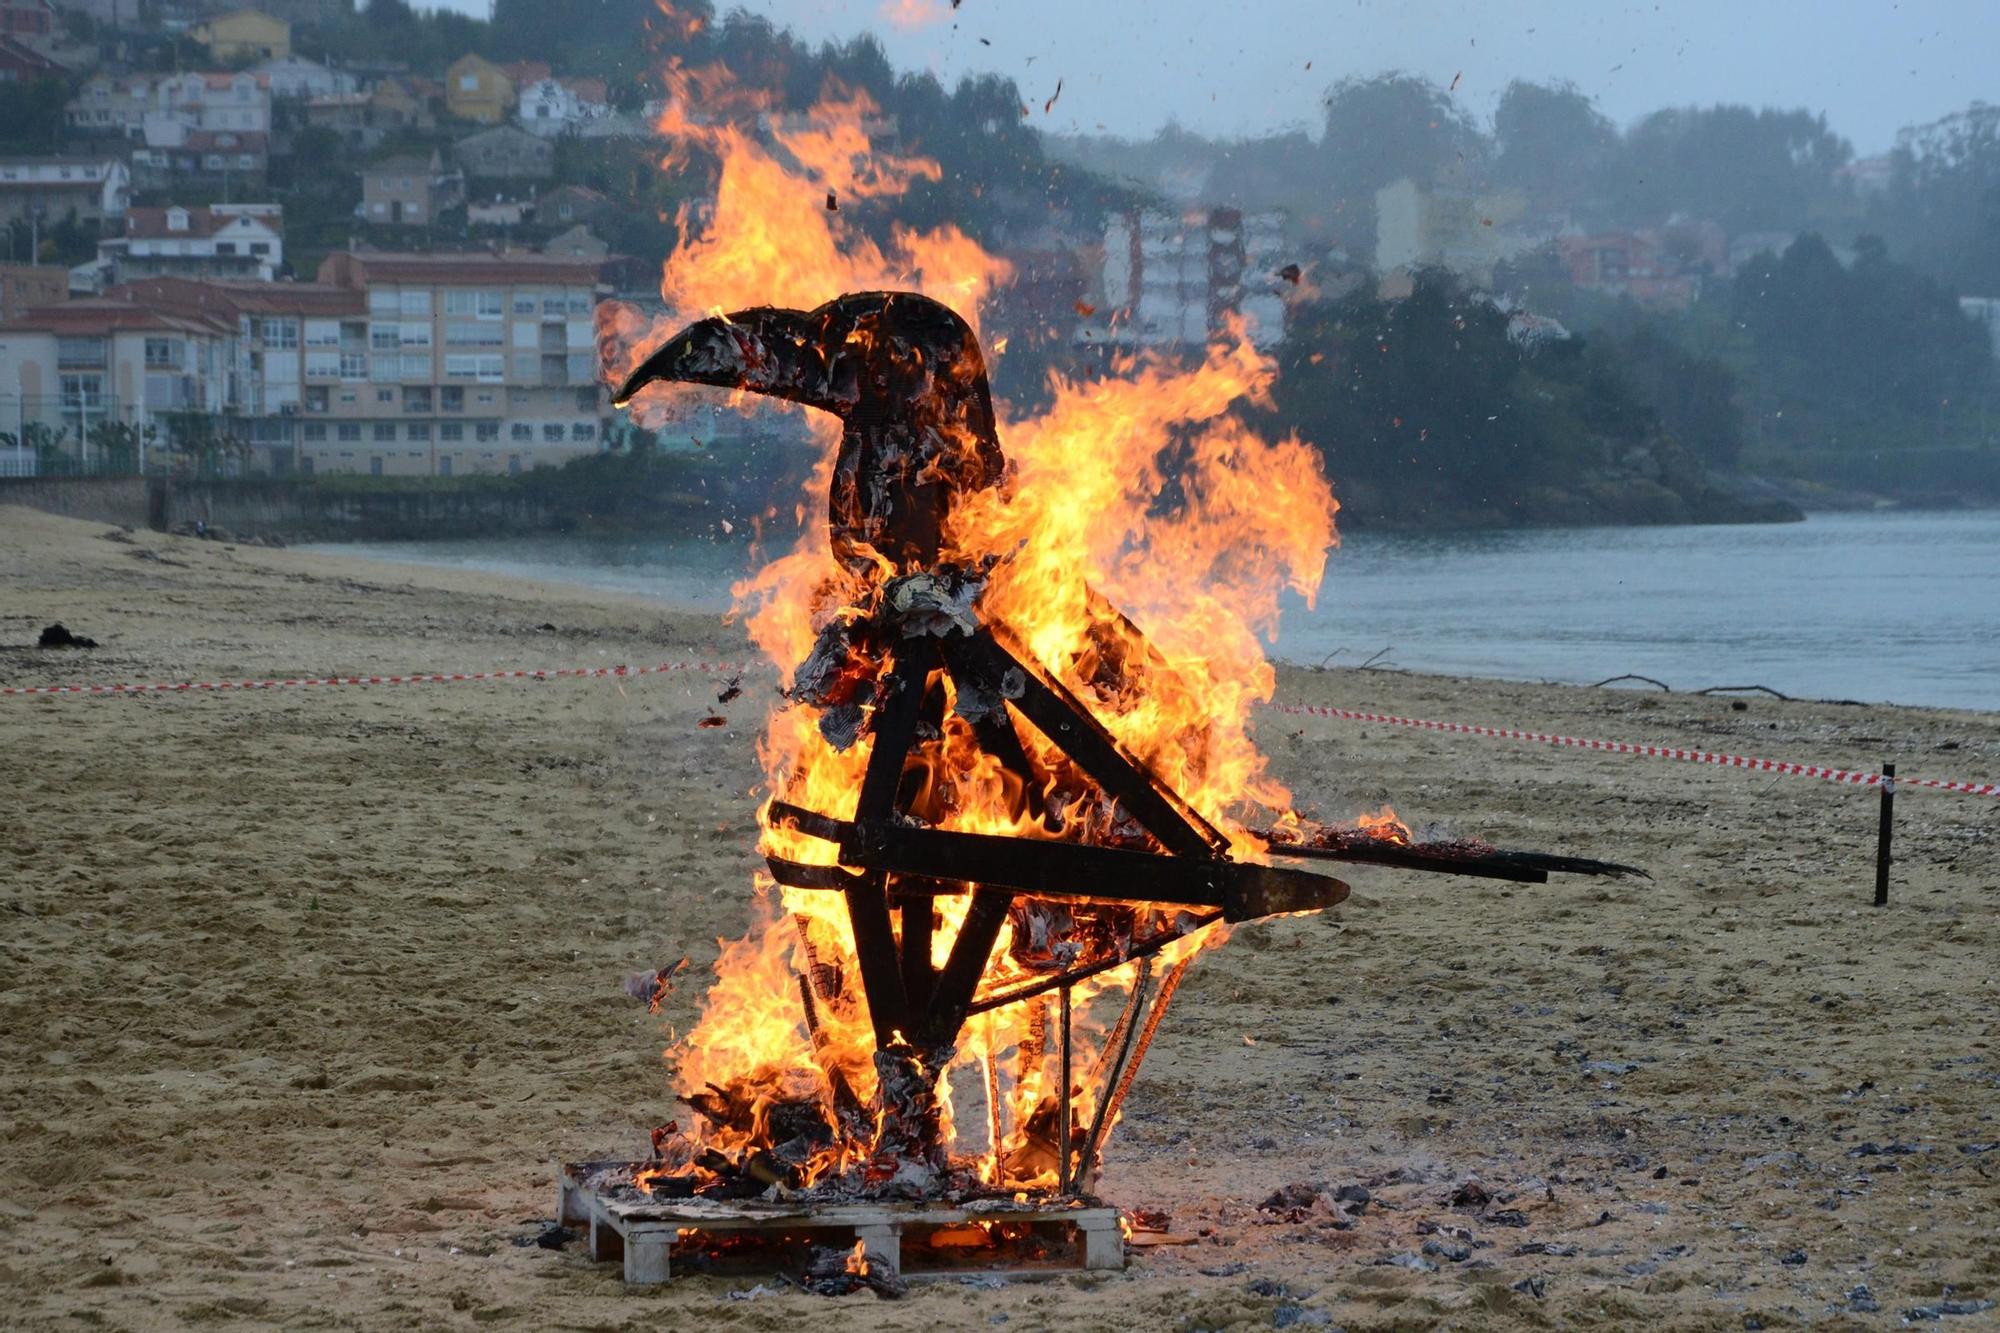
<point>358,269</point>
<point>149,223</point>
<point>98,316</point>
<point>401,163</point>
<point>202,141</point>
<point>525,72</point>
<point>587,88</point>
<point>228,298</point>
<point>19,53</point>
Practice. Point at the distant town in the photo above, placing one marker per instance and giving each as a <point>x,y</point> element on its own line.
<point>297,238</point>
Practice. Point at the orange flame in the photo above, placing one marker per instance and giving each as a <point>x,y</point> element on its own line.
<point>1080,529</point>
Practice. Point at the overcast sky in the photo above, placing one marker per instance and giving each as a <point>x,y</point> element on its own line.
<point>1130,66</point>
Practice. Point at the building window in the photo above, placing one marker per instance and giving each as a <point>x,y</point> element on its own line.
<point>586,399</point>
<point>281,334</point>
<point>384,300</point>
<point>385,337</point>
<point>315,432</point>
<point>420,431</point>
<point>353,365</point>
<point>322,333</point>
<point>347,432</point>
<point>375,465</point>
<point>80,351</point>
<point>486,431</point>
<point>521,430</point>
<point>417,400</point>
<point>444,465</point>
<point>451,398</point>
<point>164,353</point>
<point>324,364</point>
<point>416,368</point>
<point>524,301</point>
<point>416,335</point>
<point>385,395</point>
<point>583,430</point>
<point>450,432</point>
<point>385,430</point>
<point>473,334</point>
<point>552,432</point>
<point>416,301</point>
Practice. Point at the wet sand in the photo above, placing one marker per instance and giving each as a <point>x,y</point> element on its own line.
<point>302,990</point>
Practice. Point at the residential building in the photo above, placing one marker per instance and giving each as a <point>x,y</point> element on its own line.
<point>1421,226</point>
<point>30,21</point>
<point>1986,310</point>
<point>1660,267</point>
<point>568,204</point>
<point>22,63</point>
<point>409,191</point>
<point>67,370</point>
<point>551,107</point>
<point>579,242</point>
<point>245,34</point>
<point>395,364</point>
<point>478,90</point>
<point>473,363</point>
<point>1172,279</point>
<point>297,77</point>
<point>218,241</point>
<point>112,104</point>
<point>96,190</point>
<point>213,102</point>
<point>238,160</point>
<point>364,120</point>
<point>506,152</point>
<point>499,212</point>
<point>25,286</point>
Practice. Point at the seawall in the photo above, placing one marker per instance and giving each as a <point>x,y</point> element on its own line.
<point>293,509</point>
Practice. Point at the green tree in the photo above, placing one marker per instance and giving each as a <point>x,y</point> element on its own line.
<point>1749,170</point>
<point>1552,141</point>
<point>1394,125</point>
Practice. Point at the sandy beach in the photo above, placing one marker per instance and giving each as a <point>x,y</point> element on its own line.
<point>303,990</point>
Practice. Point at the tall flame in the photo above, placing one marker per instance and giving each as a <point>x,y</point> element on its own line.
<point>1083,526</point>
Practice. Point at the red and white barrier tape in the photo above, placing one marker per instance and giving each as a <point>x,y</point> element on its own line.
<point>438,678</point>
<point>1849,777</point>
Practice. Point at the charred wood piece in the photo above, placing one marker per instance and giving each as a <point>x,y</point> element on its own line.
<point>1457,857</point>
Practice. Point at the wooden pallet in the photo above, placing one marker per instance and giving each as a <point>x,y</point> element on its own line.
<point>643,1232</point>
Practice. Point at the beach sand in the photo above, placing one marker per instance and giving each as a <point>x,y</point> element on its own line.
<point>302,990</point>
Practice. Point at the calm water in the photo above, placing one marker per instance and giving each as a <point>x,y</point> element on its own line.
<point>1902,607</point>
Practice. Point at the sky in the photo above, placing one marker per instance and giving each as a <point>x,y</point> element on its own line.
<point>1128,67</point>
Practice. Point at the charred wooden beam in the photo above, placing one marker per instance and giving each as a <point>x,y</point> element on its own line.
<point>1044,985</point>
<point>952,996</point>
<point>1072,728</point>
<point>1451,858</point>
<point>1242,890</point>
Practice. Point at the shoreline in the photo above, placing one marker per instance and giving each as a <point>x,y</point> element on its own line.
<point>307,987</point>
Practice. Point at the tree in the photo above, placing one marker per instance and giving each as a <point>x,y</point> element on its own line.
<point>1552,141</point>
<point>1748,170</point>
<point>31,115</point>
<point>1394,125</point>
<point>1943,205</point>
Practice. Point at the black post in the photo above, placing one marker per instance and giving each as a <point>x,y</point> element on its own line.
<point>1882,834</point>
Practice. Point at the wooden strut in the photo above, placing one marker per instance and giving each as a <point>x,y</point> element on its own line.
<point>1168,985</point>
<point>1121,1038</point>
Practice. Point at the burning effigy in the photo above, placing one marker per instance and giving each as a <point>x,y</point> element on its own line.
<point>1012,769</point>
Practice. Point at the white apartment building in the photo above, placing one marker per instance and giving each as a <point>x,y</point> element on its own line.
<point>165,107</point>
<point>391,364</point>
<point>216,241</point>
<point>551,107</point>
<point>98,190</point>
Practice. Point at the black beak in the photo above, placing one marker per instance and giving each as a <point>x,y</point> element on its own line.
<point>765,350</point>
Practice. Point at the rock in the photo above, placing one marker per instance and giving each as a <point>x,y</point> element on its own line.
<point>1457,1254</point>
<point>1505,1217</point>
<point>1944,1308</point>
<point>1532,1286</point>
<point>1894,1149</point>
<point>1355,1196</point>
<point>1610,1067</point>
<point>1862,1301</point>
<point>1224,1270</point>
<point>1794,1259</point>
<point>58,635</point>
<point>546,1236</point>
<point>1407,1260</point>
<point>1471,1194</point>
<point>1298,1316</point>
